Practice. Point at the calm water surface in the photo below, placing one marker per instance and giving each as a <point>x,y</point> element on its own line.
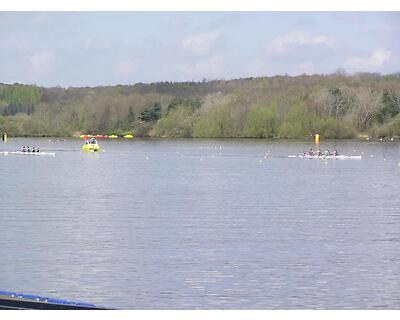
<point>203,224</point>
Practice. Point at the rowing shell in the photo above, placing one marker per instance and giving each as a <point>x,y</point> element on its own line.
<point>340,157</point>
<point>33,153</point>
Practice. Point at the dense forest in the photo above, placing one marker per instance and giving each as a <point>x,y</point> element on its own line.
<point>336,106</point>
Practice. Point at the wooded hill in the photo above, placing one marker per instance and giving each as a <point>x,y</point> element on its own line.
<point>336,105</point>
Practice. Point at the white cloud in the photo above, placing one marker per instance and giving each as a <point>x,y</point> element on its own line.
<point>178,23</point>
<point>259,67</point>
<point>39,17</point>
<point>255,68</point>
<point>305,67</point>
<point>368,63</point>
<point>97,45</point>
<point>284,42</point>
<point>41,62</point>
<point>125,68</point>
<point>387,26</point>
<point>209,68</point>
<point>201,43</point>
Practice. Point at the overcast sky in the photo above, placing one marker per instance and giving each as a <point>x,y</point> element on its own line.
<point>108,48</point>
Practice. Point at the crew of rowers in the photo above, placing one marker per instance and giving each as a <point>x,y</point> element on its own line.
<point>28,149</point>
<point>91,141</point>
<point>319,153</point>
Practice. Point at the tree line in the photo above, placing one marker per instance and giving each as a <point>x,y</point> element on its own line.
<point>336,106</point>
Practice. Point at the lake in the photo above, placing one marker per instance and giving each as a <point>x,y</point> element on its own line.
<point>202,224</point>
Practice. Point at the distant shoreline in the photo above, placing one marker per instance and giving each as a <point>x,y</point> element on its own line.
<point>363,138</point>
<point>337,106</point>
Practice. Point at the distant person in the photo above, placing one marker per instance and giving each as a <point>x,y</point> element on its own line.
<point>23,149</point>
<point>311,152</point>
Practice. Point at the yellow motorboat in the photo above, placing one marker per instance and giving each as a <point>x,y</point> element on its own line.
<point>91,145</point>
<point>128,136</point>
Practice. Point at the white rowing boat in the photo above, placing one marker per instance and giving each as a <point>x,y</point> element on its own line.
<point>339,157</point>
<point>33,153</point>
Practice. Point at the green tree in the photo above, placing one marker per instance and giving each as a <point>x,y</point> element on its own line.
<point>261,122</point>
<point>391,105</point>
<point>151,114</point>
<point>193,104</point>
<point>178,122</point>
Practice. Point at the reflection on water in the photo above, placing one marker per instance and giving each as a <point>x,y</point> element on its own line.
<point>203,224</point>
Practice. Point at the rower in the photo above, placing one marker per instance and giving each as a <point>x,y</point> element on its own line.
<point>37,150</point>
<point>28,149</point>
<point>335,153</point>
<point>23,149</point>
<point>33,149</point>
<point>311,152</point>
